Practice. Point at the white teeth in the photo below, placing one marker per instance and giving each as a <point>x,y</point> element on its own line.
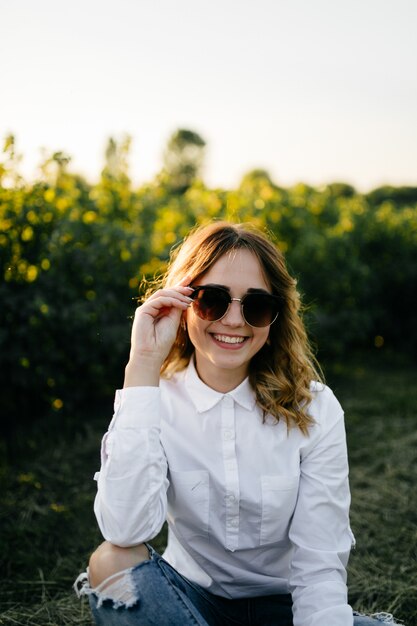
<point>227,339</point>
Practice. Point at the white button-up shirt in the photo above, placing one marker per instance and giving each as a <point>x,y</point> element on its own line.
<point>252,508</point>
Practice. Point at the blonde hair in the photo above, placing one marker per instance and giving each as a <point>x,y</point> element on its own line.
<point>282,371</point>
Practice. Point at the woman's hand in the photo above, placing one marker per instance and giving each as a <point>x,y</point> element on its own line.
<point>154,330</point>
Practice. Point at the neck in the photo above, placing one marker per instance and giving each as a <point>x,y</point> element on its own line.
<point>219,379</point>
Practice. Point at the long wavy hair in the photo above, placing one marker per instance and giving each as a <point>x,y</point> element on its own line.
<point>282,371</point>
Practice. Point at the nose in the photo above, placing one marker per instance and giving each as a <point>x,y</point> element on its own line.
<point>234,317</point>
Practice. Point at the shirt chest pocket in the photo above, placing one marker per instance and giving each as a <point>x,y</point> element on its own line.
<point>188,500</point>
<point>279,496</point>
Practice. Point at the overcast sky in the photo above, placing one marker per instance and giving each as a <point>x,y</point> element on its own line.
<point>311,90</point>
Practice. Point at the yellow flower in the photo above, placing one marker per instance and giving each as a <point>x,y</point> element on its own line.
<point>89,217</point>
<point>27,233</point>
<point>31,273</point>
<point>26,477</point>
<point>125,255</point>
<point>378,341</point>
<point>62,204</point>
<point>58,508</point>
<point>49,195</point>
<point>32,217</point>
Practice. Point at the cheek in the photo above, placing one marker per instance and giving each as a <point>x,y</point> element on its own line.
<point>188,319</point>
<point>195,326</point>
<point>262,336</point>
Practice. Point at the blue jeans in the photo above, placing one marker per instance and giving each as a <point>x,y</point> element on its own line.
<point>154,594</point>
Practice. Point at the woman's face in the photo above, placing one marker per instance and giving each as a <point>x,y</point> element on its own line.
<point>223,349</point>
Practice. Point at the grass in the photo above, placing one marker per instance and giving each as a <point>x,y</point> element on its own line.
<point>381,410</point>
<point>48,528</point>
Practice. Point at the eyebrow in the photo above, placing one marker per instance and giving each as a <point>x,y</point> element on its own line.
<point>250,290</point>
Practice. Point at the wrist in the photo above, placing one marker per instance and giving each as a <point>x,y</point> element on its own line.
<point>142,371</point>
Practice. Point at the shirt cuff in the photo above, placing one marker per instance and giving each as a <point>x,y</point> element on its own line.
<point>136,407</point>
<point>322,603</point>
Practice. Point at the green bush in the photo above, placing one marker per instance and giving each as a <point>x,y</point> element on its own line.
<point>70,276</point>
<point>72,256</point>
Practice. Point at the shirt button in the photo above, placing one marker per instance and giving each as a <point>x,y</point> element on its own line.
<point>227,434</point>
<point>230,498</point>
<point>234,522</point>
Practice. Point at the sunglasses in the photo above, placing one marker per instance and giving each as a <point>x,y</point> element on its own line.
<point>258,309</point>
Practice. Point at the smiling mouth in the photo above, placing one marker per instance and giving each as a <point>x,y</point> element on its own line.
<point>229,339</point>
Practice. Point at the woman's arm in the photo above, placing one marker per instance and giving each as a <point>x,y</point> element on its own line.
<point>130,505</point>
<point>320,530</point>
<point>154,331</point>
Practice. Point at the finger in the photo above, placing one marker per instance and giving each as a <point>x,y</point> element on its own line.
<point>185,281</point>
<point>155,305</point>
<point>184,285</point>
<point>181,293</point>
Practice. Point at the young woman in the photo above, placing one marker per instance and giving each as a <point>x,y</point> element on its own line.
<point>223,429</point>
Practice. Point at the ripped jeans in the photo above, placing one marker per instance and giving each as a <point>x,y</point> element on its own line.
<point>168,599</point>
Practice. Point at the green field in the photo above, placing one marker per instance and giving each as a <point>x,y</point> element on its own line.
<point>48,527</point>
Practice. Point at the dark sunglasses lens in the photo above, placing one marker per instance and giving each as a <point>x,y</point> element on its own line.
<point>260,310</point>
<point>211,303</point>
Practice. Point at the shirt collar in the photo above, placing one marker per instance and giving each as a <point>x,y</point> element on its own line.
<point>205,398</point>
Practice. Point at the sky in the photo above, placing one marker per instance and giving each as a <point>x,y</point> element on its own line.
<point>316,91</point>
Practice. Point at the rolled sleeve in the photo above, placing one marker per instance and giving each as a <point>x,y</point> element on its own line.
<point>320,531</point>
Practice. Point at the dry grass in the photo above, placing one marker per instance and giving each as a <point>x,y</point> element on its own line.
<point>381,420</point>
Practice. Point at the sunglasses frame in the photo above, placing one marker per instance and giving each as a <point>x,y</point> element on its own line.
<point>273,297</point>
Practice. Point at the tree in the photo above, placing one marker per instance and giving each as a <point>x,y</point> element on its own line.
<point>9,174</point>
<point>117,155</point>
<point>254,178</point>
<point>54,166</point>
<point>113,195</point>
<point>183,160</point>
